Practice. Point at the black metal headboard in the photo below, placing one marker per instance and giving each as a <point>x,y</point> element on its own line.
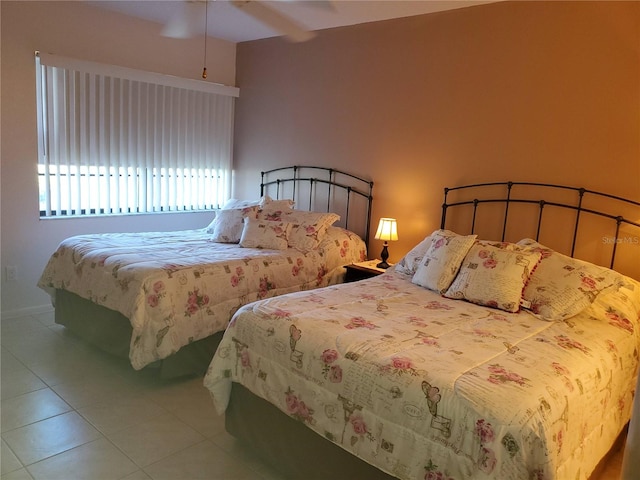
<point>324,189</point>
<point>617,211</point>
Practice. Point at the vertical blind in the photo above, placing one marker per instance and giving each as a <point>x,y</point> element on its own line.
<point>114,140</point>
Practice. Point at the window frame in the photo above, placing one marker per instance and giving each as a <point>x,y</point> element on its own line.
<point>177,147</point>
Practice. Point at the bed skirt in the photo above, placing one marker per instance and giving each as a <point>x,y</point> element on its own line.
<point>111,332</point>
<point>288,446</point>
<point>298,452</point>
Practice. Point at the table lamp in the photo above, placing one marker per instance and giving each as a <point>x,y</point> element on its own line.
<point>387,230</point>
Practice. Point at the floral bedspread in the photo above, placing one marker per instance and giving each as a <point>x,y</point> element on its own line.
<point>179,287</point>
<point>425,387</point>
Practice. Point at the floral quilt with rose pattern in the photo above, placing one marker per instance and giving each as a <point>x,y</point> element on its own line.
<point>427,387</point>
<point>179,287</point>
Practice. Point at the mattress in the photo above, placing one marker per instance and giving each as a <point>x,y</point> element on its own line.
<point>422,386</point>
<point>179,287</point>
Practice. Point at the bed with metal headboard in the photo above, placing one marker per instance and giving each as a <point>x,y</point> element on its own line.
<point>163,299</point>
<point>426,371</point>
<point>592,225</point>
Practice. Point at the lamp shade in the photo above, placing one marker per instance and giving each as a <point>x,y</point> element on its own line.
<point>387,229</point>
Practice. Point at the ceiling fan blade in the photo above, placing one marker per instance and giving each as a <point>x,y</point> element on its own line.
<point>326,5</point>
<point>186,22</point>
<point>274,19</point>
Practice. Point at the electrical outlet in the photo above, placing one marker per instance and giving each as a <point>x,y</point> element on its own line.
<point>11,273</point>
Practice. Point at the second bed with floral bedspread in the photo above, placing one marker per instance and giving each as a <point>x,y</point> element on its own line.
<point>423,386</point>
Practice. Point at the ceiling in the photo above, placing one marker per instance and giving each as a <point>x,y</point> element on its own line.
<point>230,23</point>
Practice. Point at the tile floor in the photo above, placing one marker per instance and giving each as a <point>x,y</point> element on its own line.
<point>69,411</point>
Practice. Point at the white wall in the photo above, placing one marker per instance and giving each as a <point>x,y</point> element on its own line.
<point>73,29</point>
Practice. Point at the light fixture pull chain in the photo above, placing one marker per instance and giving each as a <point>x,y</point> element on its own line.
<point>206,23</point>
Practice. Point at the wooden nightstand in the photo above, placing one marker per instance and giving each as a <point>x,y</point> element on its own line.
<point>362,270</point>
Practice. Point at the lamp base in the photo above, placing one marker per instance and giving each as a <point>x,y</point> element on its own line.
<point>384,255</point>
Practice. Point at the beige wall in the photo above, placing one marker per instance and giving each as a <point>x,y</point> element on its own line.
<point>520,91</point>
<point>76,30</point>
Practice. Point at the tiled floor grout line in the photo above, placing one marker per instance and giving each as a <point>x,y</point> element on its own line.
<point>77,410</point>
<point>73,409</point>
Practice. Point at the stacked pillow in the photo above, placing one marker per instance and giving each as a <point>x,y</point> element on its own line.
<point>264,234</point>
<point>507,276</point>
<point>442,260</point>
<point>563,286</point>
<point>269,223</point>
<point>307,228</point>
<point>494,275</point>
<point>225,222</point>
<point>228,225</point>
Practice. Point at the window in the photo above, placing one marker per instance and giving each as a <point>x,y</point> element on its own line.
<point>113,140</point>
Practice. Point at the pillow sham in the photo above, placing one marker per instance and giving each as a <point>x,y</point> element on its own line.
<point>264,234</point>
<point>561,286</point>
<point>308,228</point>
<point>493,276</point>
<point>618,307</point>
<point>349,244</point>
<point>409,263</point>
<point>234,203</point>
<point>442,260</point>
<point>228,224</point>
<point>267,203</point>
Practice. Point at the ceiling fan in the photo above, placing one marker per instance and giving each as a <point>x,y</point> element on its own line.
<point>188,19</point>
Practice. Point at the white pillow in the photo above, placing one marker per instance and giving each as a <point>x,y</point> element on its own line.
<point>493,276</point>
<point>409,263</point>
<point>264,234</point>
<point>228,224</point>
<point>442,260</point>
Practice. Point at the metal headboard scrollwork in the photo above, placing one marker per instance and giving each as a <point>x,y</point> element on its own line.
<point>577,204</point>
<point>324,189</point>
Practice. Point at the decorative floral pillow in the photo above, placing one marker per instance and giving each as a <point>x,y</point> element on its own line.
<point>562,287</point>
<point>308,228</point>
<point>619,308</point>
<point>264,234</point>
<point>228,224</point>
<point>409,263</point>
<point>493,276</point>
<point>442,260</point>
